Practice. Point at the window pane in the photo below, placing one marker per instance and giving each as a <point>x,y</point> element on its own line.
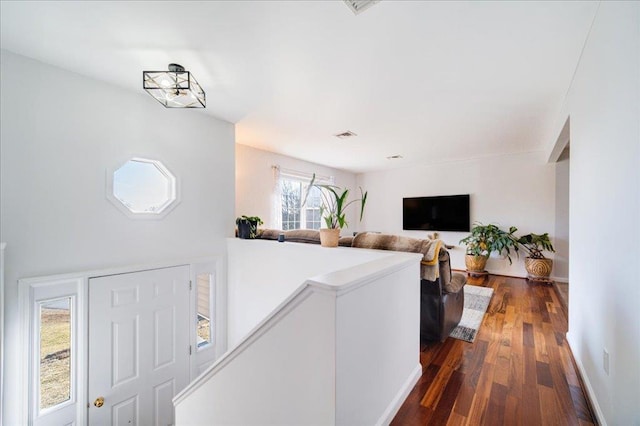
<point>313,218</point>
<point>291,200</point>
<point>203,292</point>
<point>144,186</point>
<point>55,352</point>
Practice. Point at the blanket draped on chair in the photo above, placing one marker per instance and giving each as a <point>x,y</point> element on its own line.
<point>430,249</point>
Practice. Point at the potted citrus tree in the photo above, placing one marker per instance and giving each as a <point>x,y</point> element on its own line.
<point>248,226</point>
<point>537,265</point>
<point>485,239</point>
<point>333,210</point>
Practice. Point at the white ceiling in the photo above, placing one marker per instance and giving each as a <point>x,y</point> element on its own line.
<point>431,81</point>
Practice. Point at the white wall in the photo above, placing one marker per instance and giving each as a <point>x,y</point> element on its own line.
<point>263,273</point>
<point>60,132</point>
<point>604,107</point>
<point>377,346</point>
<point>284,376</point>
<point>340,347</point>
<point>509,190</point>
<point>254,183</point>
<point>561,235</point>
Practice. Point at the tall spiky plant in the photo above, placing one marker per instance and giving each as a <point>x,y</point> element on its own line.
<point>334,203</point>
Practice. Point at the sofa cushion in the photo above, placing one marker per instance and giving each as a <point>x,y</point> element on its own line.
<point>345,241</point>
<point>268,234</point>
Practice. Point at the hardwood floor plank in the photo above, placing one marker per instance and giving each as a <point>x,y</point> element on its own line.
<point>516,374</point>
<point>503,363</point>
<point>478,410</point>
<point>543,374</point>
<point>527,335</point>
<point>580,404</point>
<point>456,420</point>
<point>530,407</point>
<point>445,405</point>
<point>519,370</point>
<point>551,412</point>
<point>512,411</point>
<point>497,403</point>
<point>433,394</point>
<point>530,368</point>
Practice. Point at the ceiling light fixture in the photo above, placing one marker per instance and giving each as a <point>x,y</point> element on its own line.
<point>175,88</point>
<point>358,6</point>
<point>347,134</point>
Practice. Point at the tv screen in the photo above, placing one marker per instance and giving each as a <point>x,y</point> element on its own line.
<point>444,213</point>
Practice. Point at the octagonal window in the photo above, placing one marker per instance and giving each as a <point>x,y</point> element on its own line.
<point>143,187</point>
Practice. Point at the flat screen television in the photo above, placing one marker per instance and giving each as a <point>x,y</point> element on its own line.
<point>443,213</point>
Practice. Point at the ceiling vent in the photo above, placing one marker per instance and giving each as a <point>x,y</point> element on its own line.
<point>359,6</point>
<point>344,135</point>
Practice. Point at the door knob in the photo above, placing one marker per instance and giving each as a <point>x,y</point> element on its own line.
<point>99,402</point>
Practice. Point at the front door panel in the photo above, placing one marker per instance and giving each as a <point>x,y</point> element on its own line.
<point>138,345</point>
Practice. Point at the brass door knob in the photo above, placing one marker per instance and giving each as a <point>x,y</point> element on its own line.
<point>99,402</point>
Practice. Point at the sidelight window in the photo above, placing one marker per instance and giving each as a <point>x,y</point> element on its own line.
<point>55,352</point>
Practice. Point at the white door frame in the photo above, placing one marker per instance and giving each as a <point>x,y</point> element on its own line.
<point>27,288</point>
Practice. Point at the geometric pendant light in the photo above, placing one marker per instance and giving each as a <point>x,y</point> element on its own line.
<point>175,88</point>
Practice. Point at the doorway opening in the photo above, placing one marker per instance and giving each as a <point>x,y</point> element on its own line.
<point>561,234</point>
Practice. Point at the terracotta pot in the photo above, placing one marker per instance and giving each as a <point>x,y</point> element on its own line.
<point>329,237</point>
<point>538,268</point>
<point>475,263</point>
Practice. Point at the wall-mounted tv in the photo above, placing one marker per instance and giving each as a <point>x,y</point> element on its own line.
<point>444,213</point>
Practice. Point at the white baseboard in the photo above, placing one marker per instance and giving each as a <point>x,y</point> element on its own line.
<point>561,279</point>
<point>591,395</point>
<point>400,397</point>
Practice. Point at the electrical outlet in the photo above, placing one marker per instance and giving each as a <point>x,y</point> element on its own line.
<point>605,360</point>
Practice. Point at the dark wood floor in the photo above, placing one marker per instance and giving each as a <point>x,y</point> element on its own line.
<point>519,370</point>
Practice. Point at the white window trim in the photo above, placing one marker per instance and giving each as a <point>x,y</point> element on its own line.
<point>31,294</point>
<point>166,208</point>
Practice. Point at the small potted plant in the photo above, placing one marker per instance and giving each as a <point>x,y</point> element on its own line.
<point>248,226</point>
<point>538,267</point>
<point>333,210</point>
<point>485,239</point>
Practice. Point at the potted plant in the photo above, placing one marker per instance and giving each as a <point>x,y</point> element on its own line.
<point>485,239</point>
<point>538,267</point>
<point>248,226</point>
<point>333,210</point>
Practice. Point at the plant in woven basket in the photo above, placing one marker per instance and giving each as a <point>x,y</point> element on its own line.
<point>535,245</point>
<point>537,265</point>
<point>485,239</point>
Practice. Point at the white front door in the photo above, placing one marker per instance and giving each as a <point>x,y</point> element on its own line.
<point>138,345</point>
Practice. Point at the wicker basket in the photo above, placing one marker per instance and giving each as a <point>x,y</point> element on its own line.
<point>538,269</point>
<point>475,263</point>
<point>329,237</point>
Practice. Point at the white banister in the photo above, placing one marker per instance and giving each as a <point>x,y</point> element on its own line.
<point>340,348</point>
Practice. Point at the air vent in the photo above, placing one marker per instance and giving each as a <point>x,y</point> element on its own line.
<point>344,135</point>
<point>394,157</point>
<point>359,6</point>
